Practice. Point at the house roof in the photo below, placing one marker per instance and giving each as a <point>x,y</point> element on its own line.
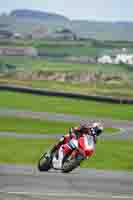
<point>114,52</point>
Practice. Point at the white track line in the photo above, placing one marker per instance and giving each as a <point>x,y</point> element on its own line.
<point>67,195</point>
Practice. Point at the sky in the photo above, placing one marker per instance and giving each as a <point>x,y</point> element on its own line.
<point>105,10</point>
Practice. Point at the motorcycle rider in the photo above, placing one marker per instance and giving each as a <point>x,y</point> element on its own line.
<point>70,141</point>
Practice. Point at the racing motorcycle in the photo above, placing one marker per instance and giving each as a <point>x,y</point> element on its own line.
<point>71,157</point>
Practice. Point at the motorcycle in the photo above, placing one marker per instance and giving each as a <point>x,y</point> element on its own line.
<point>71,159</point>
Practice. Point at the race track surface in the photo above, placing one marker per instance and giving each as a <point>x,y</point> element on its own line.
<point>64,117</point>
<point>78,185</point>
<point>26,183</point>
<point>122,134</point>
<point>125,126</point>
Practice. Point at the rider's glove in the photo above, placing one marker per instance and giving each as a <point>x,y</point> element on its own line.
<point>73,144</point>
<point>70,132</point>
<point>93,132</point>
<point>47,155</point>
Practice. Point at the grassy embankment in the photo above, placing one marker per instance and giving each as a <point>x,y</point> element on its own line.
<point>69,50</point>
<point>65,105</point>
<point>114,155</point>
<point>118,154</point>
<point>114,86</point>
<point>120,90</point>
<point>89,47</point>
<point>90,43</point>
<point>38,63</point>
<point>26,125</point>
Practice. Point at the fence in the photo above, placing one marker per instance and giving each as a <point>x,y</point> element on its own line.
<point>43,92</point>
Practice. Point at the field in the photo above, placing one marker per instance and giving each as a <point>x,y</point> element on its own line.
<point>27,125</point>
<point>108,80</point>
<point>26,151</point>
<point>120,90</point>
<point>70,48</point>
<point>113,155</point>
<point>118,154</point>
<point>64,105</point>
<point>37,63</point>
<point>123,90</point>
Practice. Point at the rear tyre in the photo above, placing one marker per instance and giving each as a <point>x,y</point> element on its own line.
<point>68,166</point>
<point>44,164</point>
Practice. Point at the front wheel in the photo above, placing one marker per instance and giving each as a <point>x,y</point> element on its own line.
<point>44,163</point>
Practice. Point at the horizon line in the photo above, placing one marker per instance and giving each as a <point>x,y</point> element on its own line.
<point>69,18</point>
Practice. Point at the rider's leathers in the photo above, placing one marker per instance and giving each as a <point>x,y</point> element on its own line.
<point>86,143</point>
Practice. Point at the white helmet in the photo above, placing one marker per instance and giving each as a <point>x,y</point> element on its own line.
<point>97,127</point>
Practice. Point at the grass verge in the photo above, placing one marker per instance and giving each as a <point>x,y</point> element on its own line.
<point>37,63</point>
<point>65,105</point>
<point>26,125</point>
<point>116,89</point>
<point>110,154</point>
<point>23,151</point>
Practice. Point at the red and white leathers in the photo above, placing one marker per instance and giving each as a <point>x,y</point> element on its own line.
<point>87,143</point>
<point>83,143</point>
<point>77,132</point>
<point>66,144</point>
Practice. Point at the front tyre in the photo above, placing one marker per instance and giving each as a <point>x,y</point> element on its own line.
<point>44,164</point>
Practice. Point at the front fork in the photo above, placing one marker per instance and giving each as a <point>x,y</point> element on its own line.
<point>78,155</point>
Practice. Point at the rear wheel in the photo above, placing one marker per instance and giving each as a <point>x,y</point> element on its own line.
<point>68,166</point>
<point>44,163</point>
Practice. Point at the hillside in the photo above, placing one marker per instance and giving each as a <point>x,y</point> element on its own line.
<point>120,31</point>
<point>26,13</point>
<point>26,21</point>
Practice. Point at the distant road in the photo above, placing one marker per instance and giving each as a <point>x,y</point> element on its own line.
<point>120,135</point>
<point>64,117</point>
<point>126,126</point>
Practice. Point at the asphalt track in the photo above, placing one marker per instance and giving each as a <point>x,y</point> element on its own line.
<point>64,117</point>
<point>125,126</point>
<point>78,185</point>
<point>25,183</point>
<point>122,134</point>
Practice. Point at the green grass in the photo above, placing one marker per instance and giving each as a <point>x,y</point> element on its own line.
<point>26,125</point>
<point>23,151</point>
<point>110,154</point>
<point>65,105</point>
<point>74,48</point>
<point>15,42</point>
<point>44,43</point>
<point>21,62</point>
<point>115,89</point>
<point>111,130</point>
<point>71,50</point>
<point>36,63</point>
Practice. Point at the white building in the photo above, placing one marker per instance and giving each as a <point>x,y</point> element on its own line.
<point>105,60</point>
<point>124,58</point>
<point>118,59</point>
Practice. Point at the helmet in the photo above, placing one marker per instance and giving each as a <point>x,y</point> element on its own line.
<point>98,128</point>
<point>84,127</point>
